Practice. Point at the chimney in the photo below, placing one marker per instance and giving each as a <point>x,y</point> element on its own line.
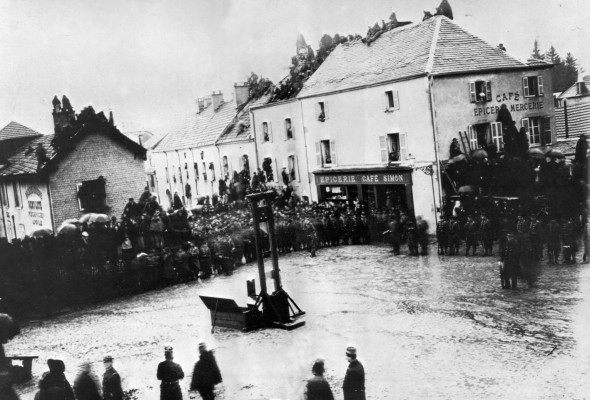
<point>63,114</point>
<point>241,93</point>
<point>217,100</point>
<point>201,104</point>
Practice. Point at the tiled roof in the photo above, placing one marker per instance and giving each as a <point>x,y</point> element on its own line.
<point>24,160</point>
<point>459,51</point>
<point>578,120</point>
<point>233,134</point>
<point>201,129</point>
<point>15,130</point>
<point>572,91</point>
<point>435,46</point>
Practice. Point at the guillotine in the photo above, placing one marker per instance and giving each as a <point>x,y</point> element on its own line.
<point>276,309</point>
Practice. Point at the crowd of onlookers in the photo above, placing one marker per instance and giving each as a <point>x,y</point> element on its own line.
<point>149,247</point>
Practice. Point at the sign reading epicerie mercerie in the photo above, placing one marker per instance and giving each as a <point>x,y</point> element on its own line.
<point>376,178</point>
<point>507,97</point>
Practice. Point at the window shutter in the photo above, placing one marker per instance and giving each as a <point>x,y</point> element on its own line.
<point>385,101</point>
<point>472,138</point>
<point>317,110</point>
<point>497,134</point>
<point>292,130</point>
<point>488,91</point>
<point>333,152</point>
<point>395,100</point>
<point>270,131</point>
<point>278,177</point>
<point>318,154</point>
<point>403,146</point>
<point>383,148</point>
<point>524,123</point>
<point>540,85</point>
<point>546,130</point>
<point>261,133</point>
<point>525,86</point>
<point>326,110</point>
<point>472,92</point>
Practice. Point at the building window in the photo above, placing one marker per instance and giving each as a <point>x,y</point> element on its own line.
<point>391,100</point>
<point>480,91</point>
<point>204,171</point>
<point>532,86</point>
<point>17,197</point>
<point>321,111</point>
<point>482,135</point>
<point>265,132</point>
<point>212,169</point>
<point>92,195</point>
<point>539,130</point>
<point>225,166</point>
<point>267,168</point>
<point>293,168</point>
<point>196,168</point>
<point>393,147</point>
<point>3,187</point>
<point>288,129</point>
<point>167,176</point>
<point>325,153</point>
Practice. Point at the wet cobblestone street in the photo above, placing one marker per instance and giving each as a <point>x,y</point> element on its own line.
<point>425,327</point>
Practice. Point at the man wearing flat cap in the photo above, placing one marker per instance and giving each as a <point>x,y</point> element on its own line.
<point>169,373</point>
<point>111,381</point>
<point>354,380</point>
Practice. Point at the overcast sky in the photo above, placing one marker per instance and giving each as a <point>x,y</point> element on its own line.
<point>148,61</point>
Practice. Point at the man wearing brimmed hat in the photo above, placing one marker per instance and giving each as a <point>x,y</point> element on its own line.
<point>354,380</point>
<point>206,373</point>
<point>111,381</point>
<point>169,373</point>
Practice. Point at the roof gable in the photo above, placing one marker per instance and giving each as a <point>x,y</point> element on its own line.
<point>14,130</point>
<point>24,160</point>
<point>459,51</point>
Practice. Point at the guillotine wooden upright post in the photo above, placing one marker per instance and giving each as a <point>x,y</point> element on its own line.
<point>278,308</point>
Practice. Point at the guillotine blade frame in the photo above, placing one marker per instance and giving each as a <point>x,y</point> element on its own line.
<point>279,310</point>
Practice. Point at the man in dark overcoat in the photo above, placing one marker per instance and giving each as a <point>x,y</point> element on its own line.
<point>111,381</point>
<point>206,373</point>
<point>169,373</point>
<point>354,380</point>
<point>510,262</point>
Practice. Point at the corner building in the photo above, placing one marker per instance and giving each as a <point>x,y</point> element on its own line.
<point>379,119</point>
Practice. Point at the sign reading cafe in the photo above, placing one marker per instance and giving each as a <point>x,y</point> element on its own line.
<point>514,107</point>
<point>375,178</point>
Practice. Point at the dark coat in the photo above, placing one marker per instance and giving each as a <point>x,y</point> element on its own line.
<point>169,373</point>
<point>318,388</point>
<point>206,372</point>
<point>86,387</point>
<point>354,382</point>
<point>111,385</point>
<point>55,386</point>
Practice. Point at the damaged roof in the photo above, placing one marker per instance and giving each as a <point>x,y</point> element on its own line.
<point>436,46</point>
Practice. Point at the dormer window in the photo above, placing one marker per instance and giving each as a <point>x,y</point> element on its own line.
<point>480,91</point>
